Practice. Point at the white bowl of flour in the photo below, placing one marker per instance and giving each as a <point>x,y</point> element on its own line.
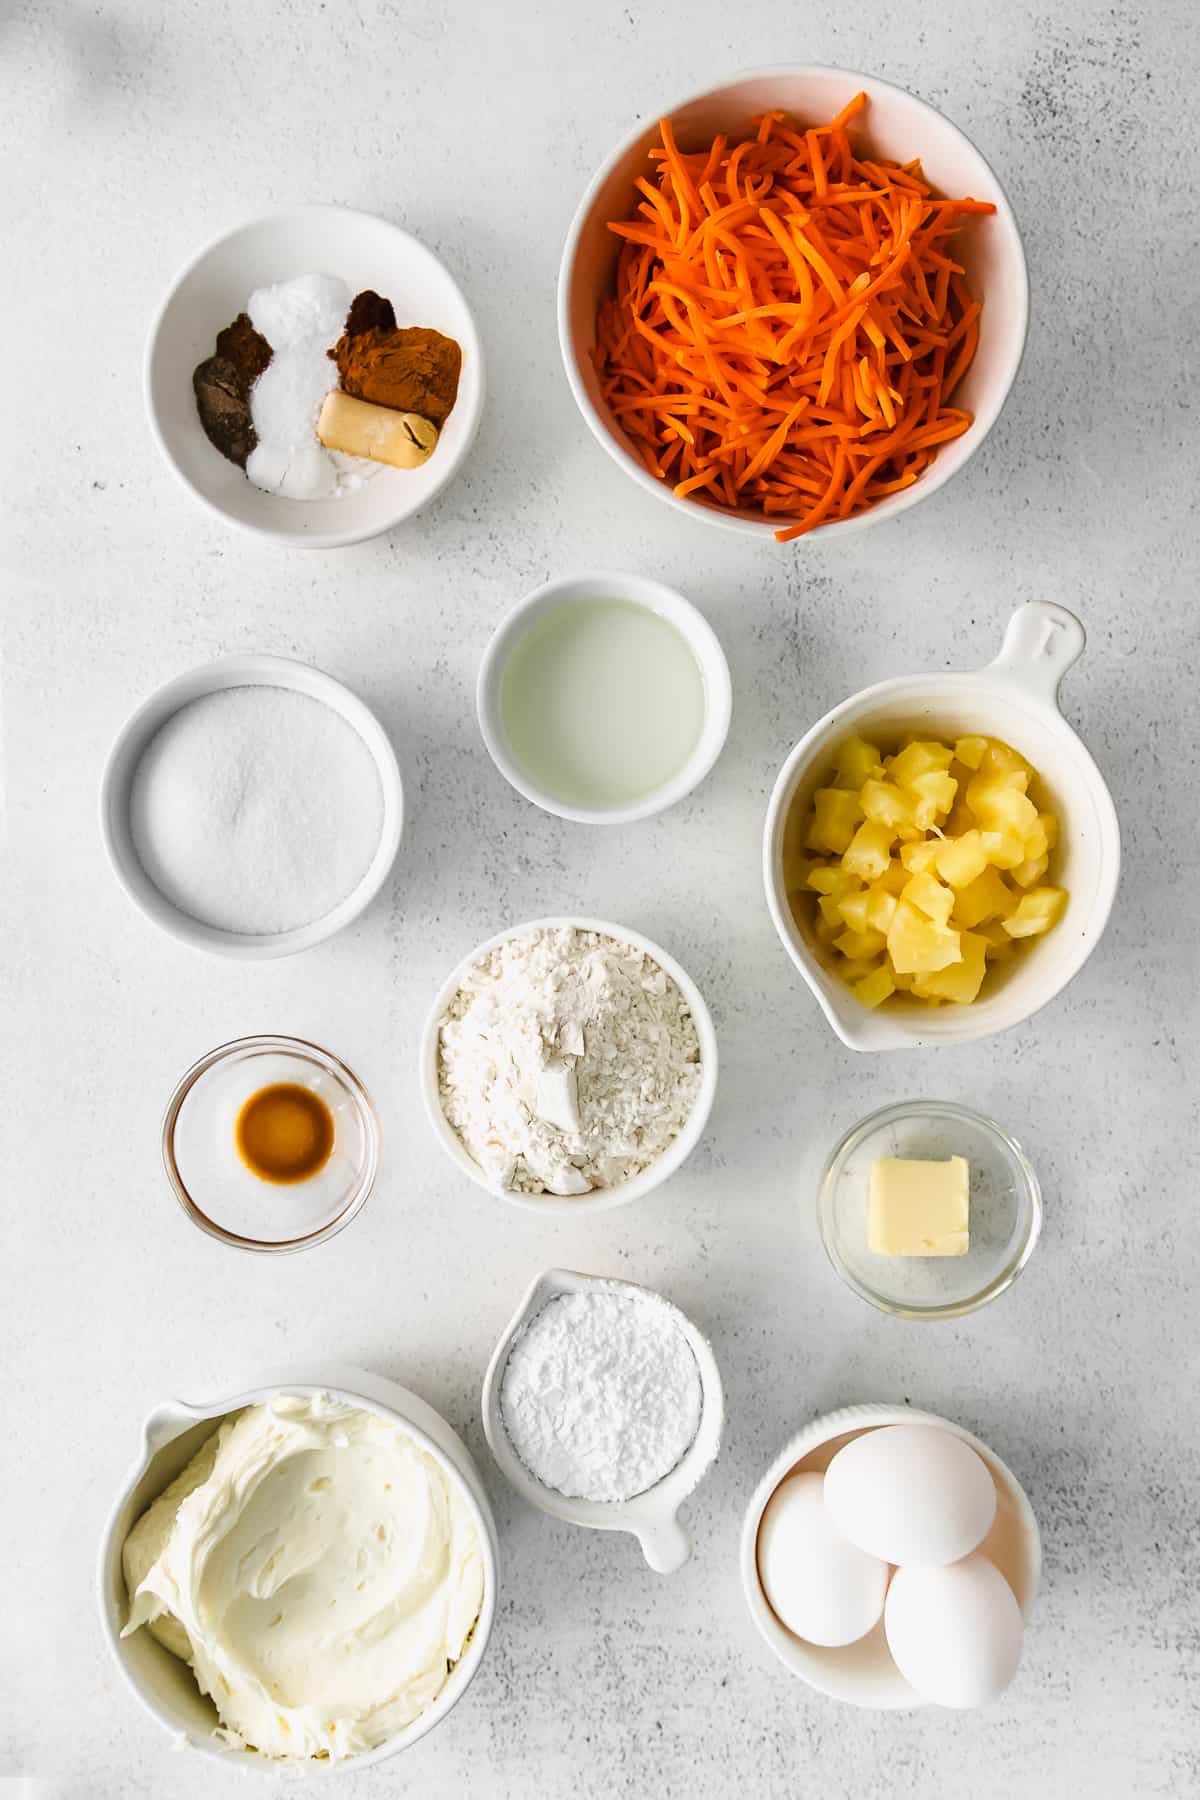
<point>252,807</point>
<point>569,1065</point>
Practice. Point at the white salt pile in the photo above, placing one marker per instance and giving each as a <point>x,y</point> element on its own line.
<point>301,320</point>
<point>256,809</point>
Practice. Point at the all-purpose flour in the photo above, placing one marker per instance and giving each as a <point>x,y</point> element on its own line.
<point>601,1394</point>
<point>568,1061</point>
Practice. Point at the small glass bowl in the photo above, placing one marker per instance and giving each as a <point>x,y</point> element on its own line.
<point>215,1188</point>
<point>1005,1216</point>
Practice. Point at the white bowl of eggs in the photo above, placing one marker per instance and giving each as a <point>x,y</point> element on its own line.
<point>890,1559</point>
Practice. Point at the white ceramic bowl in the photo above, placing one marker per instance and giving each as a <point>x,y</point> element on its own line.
<point>214,288</point>
<point>212,678</point>
<point>1014,698</point>
<point>897,125</point>
<point>600,1199</point>
<point>864,1673</point>
<point>692,626</point>
<point>651,1516</point>
<point>171,1436</point>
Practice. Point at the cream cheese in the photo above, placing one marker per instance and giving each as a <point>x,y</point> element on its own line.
<point>319,1570</point>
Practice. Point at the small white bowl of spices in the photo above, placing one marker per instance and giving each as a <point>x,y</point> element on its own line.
<point>568,1065</point>
<point>252,807</point>
<point>315,376</point>
<point>603,1406</point>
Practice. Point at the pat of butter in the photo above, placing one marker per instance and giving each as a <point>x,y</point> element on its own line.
<point>919,1208</point>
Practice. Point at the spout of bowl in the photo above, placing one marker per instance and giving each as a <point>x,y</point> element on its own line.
<point>665,1545</point>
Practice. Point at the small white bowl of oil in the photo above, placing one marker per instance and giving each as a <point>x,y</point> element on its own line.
<point>604,698</point>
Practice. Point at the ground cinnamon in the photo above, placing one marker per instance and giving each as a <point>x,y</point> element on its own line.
<point>222,386</point>
<point>414,369</point>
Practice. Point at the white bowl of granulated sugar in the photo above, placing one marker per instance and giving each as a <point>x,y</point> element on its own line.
<point>252,807</point>
<point>569,1065</point>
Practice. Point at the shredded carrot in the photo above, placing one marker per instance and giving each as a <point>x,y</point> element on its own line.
<point>789,322</point>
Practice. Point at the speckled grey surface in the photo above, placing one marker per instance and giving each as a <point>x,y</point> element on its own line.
<point>131,135</point>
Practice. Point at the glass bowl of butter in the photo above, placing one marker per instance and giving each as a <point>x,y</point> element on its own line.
<point>929,1210</point>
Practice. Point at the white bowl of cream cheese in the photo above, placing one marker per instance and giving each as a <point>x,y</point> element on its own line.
<point>258,1587</point>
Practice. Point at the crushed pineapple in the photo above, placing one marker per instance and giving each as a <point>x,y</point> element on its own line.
<point>916,872</point>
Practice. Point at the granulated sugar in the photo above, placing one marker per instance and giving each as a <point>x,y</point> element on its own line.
<point>256,809</point>
<point>601,1394</point>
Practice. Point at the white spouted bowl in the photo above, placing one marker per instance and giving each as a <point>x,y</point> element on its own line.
<point>171,1436</point>
<point>1014,698</point>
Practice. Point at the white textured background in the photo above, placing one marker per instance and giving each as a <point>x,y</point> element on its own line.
<point>131,135</point>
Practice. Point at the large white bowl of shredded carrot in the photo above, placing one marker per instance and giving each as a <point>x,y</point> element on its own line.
<point>798,301</point>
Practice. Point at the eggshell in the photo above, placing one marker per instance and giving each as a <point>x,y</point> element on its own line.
<point>820,1586</point>
<point>911,1494</point>
<point>955,1633</point>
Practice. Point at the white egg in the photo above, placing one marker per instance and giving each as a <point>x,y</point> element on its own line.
<point>911,1494</point>
<point>821,1587</point>
<point>955,1633</point>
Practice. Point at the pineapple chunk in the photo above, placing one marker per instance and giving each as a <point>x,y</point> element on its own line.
<point>835,814</point>
<point>959,820</point>
<point>1037,841</point>
<point>853,908</point>
<point>883,801</point>
<point>876,987</point>
<point>1015,812</point>
<point>961,860</point>
<point>860,945</point>
<point>970,750</point>
<point>1049,825</point>
<point>869,851</point>
<point>857,762</point>
<point>987,897</point>
<point>960,981</point>
<point>918,758</point>
<point>1004,849</point>
<point>881,906</point>
<point>830,906</point>
<point>999,755</point>
<point>996,800</point>
<point>825,930</point>
<point>1036,912</point>
<point>999,944</point>
<point>828,878</point>
<point>917,944</point>
<point>1030,871</point>
<point>934,796</point>
<point>920,857</point>
<point>929,894</point>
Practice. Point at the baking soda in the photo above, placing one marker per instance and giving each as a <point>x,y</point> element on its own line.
<point>301,320</point>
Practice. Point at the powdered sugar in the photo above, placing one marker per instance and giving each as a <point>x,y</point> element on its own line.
<point>567,1061</point>
<point>601,1394</point>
